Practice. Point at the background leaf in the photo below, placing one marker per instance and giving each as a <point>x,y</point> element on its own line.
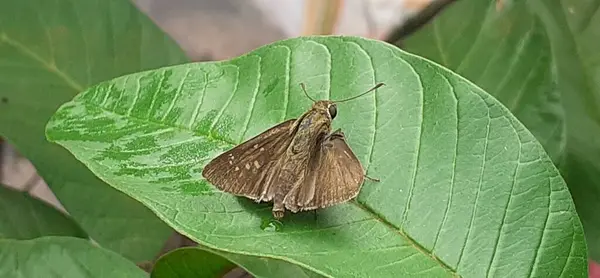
<point>464,189</point>
<point>540,59</point>
<point>62,257</point>
<point>266,267</point>
<point>191,262</point>
<point>25,217</point>
<point>49,52</point>
<point>574,30</point>
<point>198,262</point>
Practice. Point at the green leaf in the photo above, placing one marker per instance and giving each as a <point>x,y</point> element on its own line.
<point>26,217</point>
<point>574,32</point>
<point>200,262</point>
<point>266,267</point>
<point>191,262</point>
<point>507,53</point>
<point>465,189</point>
<point>49,52</point>
<point>540,59</point>
<point>62,257</point>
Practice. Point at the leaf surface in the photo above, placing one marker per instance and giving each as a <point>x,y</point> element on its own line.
<point>62,257</point>
<point>465,189</point>
<point>507,53</point>
<point>26,217</point>
<point>51,50</point>
<point>191,262</point>
<point>200,262</point>
<point>540,59</point>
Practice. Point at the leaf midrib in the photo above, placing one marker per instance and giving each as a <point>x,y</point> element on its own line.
<point>49,65</point>
<point>399,231</point>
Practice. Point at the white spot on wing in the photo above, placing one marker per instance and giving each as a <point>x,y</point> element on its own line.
<point>256,164</point>
<point>247,166</point>
<point>237,168</point>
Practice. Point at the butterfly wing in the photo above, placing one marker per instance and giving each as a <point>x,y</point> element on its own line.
<point>335,176</point>
<point>247,169</point>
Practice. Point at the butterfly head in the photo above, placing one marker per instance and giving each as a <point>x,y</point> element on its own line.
<point>326,106</point>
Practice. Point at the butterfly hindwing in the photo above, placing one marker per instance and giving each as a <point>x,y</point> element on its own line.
<point>335,176</point>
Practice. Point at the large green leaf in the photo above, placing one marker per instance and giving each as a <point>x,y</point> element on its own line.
<point>507,53</point>
<point>464,189</point>
<point>265,267</point>
<point>191,262</point>
<point>538,57</point>
<point>574,31</point>
<point>25,217</point>
<point>62,257</point>
<point>50,50</point>
<point>200,262</point>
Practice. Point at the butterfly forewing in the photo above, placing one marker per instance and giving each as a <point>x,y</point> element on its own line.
<point>244,169</point>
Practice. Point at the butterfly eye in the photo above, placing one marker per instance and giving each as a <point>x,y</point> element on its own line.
<point>332,111</point>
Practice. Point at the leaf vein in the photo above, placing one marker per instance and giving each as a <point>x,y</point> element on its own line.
<point>112,85</point>
<point>418,151</point>
<point>514,61</point>
<point>200,101</point>
<point>155,94</point>
<point>400,232</point>
<point>474,211</point>
<point>288,69</point>
<point>50,66</point>
<point>506,208</point>
<point>520,93</point>
<point>544,226</point>
<point>472,45</point>
<point>375,111</point>
<point>177,93</point>
<point>253,100</point>
<point>453,178</point>
<point>125,80</point>
<point>235,89</point>
<point>135,98</point>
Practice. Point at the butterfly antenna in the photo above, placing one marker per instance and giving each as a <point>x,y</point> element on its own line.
<point>304,89</point>
<point>360,95</point>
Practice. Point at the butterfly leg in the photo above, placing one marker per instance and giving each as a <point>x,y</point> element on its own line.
<point>371,179</point>
<point>278,210</point>
<point>327,140</point>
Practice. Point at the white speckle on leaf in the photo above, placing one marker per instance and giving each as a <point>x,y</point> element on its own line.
<point>237,168</point>
<point>256,164</point>
<point>262,149</point>
<point>247,166</point>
